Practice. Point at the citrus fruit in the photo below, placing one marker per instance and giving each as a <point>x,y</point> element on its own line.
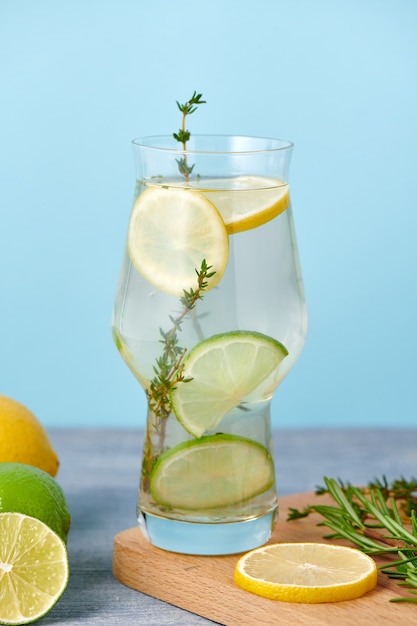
<point>247,201</point>
<point>29,490</point>
<point>34,568</point>
<point>211,472</point>
<point>171,231</point>
<point>306,572</point>
<point>224,369</point>
<point>23,438</point>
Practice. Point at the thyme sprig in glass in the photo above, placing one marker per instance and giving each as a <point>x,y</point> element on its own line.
<point>168,369</point>
<point>183,135</point>
<point>380,520</point>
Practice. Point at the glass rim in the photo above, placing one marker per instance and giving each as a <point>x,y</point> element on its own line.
<point>155,142</point>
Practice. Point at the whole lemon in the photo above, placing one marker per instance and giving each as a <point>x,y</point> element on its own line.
<point>23,439</point>
<point>31,491</point>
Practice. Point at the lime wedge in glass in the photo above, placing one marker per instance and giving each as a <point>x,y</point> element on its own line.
<point>34,568</point>
<point>224,369</point>
<point>211,472</point>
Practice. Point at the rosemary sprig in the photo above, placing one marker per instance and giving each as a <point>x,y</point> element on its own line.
<point>374,520</point>
<point>183,135</point>
<point>169,366</point>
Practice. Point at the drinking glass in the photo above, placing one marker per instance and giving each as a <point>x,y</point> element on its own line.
<point>209,316</point>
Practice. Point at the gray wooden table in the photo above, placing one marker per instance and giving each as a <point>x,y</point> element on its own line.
<point>99,473</point>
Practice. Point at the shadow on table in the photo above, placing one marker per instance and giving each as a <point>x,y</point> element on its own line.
<point>88,593</point>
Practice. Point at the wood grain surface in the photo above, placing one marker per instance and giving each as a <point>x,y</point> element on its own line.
<point>204,585</point>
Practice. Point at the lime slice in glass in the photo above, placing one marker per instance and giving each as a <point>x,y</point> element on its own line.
<point>211,472</point>
<point>224,369</point>
<point>34,568</point>
<point>171,231</point>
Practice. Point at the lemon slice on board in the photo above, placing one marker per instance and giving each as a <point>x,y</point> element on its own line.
<point>171,231</point>
<point>34,568</point>
<point>211,472</point>
<point>306,572</point>
<point>248,201</point>
<point>224,370</point>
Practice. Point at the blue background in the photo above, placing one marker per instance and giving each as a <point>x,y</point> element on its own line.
<point>80,79</point>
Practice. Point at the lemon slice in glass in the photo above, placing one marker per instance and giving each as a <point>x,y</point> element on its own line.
<point>171,231</point>
<point>306,572</point>
<point>224,370</point>
<point>212,472</point>
<point>246,202</point>
<point>34,568</point>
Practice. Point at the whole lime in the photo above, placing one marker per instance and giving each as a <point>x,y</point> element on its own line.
<point>31,491</point>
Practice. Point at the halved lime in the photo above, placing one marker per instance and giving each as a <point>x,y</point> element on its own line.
<point>34,568</point>
<point>171,231</point>
<point>215,471</point>
<point>224,369</point>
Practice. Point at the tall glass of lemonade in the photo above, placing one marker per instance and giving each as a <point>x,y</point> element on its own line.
<point>209,316</point>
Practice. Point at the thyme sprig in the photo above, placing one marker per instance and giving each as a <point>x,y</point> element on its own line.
<point>168,368</point>
<point>374,519</point>
<point>183,135</point>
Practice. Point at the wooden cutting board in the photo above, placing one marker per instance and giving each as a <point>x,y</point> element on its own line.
<point>204,584</point>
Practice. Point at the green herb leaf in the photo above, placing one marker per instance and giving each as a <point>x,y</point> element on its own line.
<point>183,135</point>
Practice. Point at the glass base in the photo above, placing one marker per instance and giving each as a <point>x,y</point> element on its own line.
<point>207,539</point>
